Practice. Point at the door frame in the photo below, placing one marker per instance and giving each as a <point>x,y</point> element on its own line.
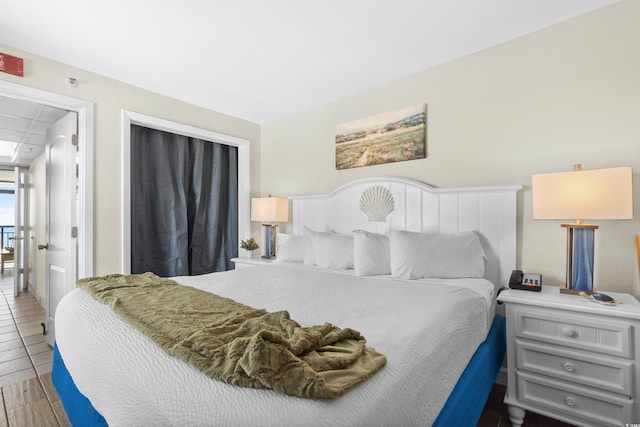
<point>85,111</point>
<point>21,248</point>
<point>244,168</point>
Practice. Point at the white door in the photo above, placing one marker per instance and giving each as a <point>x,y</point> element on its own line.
<point>61,217</point>
<point>20,246</point>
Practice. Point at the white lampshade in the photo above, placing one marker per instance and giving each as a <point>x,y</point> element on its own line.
<point>584,194</point>
<point>270,209</point>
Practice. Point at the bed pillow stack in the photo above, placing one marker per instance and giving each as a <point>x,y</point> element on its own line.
<point>324,249</point>
<point>446,256</point>
<point>401,254</point>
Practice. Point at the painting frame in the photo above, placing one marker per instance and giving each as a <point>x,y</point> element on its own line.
<point>393,136</point>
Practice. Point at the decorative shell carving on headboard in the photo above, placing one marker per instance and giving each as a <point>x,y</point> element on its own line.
<point>377,203</point>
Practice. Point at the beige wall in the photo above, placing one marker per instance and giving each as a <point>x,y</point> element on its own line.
<point>567,94</point>
<point>110,97</point>
<point>541,103</point>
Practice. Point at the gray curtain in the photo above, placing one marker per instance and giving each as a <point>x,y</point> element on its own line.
<point>184,204</point>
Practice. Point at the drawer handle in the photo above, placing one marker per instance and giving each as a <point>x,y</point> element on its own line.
<point>569,333</point>
<point>568,367</point>
<point>569,401</point>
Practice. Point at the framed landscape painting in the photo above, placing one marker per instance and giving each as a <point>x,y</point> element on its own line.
<point>394,136</point>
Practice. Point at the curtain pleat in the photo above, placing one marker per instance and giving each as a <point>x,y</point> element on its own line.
<point>184,206</point>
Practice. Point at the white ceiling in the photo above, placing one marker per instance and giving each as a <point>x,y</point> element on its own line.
<point>24,124</point>
<point>265,60</point>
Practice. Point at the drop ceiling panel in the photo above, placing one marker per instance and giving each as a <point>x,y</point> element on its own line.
<point>8,135</point>
<point>26,123</point>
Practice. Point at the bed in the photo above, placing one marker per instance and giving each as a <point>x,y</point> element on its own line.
<point>440,335</point>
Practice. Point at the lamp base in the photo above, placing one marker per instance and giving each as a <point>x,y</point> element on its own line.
<point>269,241</point>
<point>580,250</point>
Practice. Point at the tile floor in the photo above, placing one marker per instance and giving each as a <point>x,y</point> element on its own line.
<point>28,395</point>
<point>24,354</point>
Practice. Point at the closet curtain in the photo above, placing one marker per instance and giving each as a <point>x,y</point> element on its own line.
<point>184,204</point>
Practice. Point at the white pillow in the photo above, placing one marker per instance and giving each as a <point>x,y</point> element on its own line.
<point>415,255</point>
<point>290,248</point>
<point>371,254</point>
<point>333,251</point>
<point>309,234</point>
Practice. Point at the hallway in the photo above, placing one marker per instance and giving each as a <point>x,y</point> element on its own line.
<point>28,395</point>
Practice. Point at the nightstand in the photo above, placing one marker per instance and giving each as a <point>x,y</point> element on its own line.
<point>572,359</point>
<point>251,262</point>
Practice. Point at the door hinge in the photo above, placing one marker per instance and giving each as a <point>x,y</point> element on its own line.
<point>74,139</point>
<point>74,232</point>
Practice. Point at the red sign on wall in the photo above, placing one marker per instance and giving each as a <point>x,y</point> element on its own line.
<point>11,65</point>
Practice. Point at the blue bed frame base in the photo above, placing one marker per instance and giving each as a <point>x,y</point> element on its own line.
<point>466,401</point>
<point>463,408</point>
<point>79,410</point>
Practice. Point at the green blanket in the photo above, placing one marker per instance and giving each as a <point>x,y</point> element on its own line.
<point>236,343</point>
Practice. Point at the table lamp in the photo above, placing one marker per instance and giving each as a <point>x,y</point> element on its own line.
<point>269,210</point>
<point>582,194</point>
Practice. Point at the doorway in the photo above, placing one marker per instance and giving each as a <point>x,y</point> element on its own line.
<point>84,111</point>
<point>7,227</point>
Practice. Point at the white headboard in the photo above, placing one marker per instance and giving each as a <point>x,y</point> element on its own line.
<point>491,211</point>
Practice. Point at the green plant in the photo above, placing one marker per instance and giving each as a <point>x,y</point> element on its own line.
<point>250,244</point>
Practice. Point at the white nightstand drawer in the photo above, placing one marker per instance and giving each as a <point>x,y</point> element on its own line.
<point>587,332</point>
<point>589,369</point>
<point>594,408</point>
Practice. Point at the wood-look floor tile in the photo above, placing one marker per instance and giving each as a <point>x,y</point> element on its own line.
<point>26,309</point>
<point>17,377</point>
<point>9,336</point>
<point>49,389</point>
<point>61,414</point>
<point>42,347</point>
<point>19,394</point>
<point>42,358</point>
<point>34,339</point>
<point>38,413</point>
<point>31,331</point>
<point>8,345</point>
<point>15,365</point>
<point>45,368</point>
<point>4,422</point>
<point>24,300</point>
<point>21,310</point>
<point>20,304</point>
<point>23,297</point>
<point>8,328</point>
<point>27,313</point>
<point>4,317</point>
<point>38,318</point>
<point>12,354</point>
<point>30,324</point>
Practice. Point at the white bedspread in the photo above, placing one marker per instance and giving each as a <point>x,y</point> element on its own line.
<point>428,330</point>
